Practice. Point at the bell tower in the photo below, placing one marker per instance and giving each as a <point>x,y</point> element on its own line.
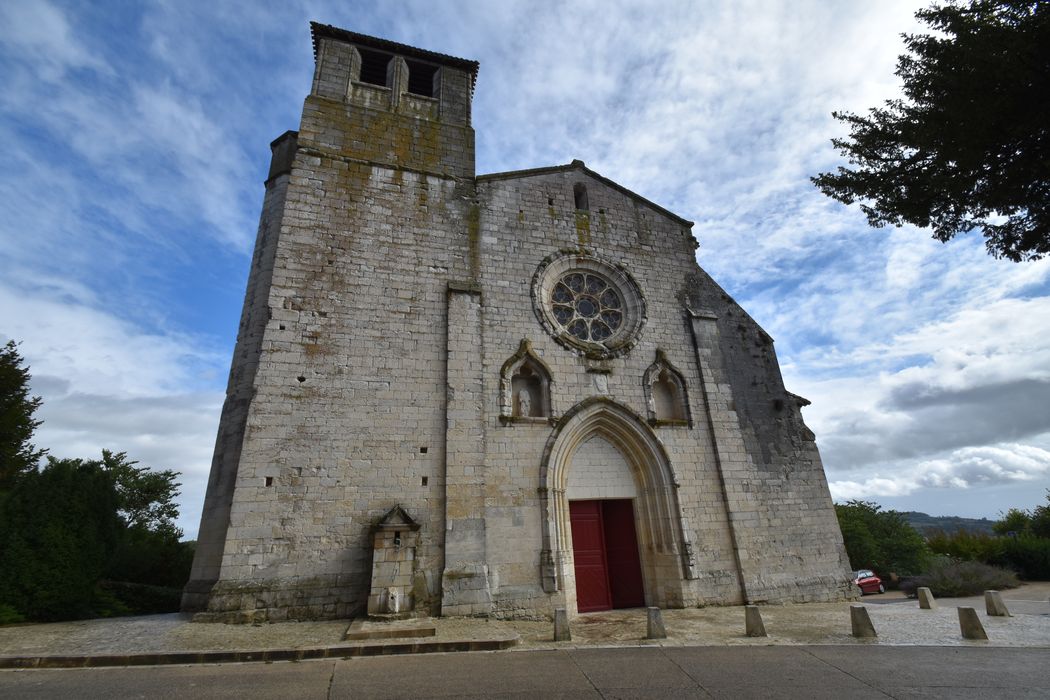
<point>336,401</point>
<point>390,104</point>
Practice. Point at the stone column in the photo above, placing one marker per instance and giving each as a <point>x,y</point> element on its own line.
<point>464,582</point>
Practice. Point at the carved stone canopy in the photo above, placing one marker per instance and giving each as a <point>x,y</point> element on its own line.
<point>396,519</point>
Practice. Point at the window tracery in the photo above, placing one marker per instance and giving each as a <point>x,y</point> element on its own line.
<point>588,305</point>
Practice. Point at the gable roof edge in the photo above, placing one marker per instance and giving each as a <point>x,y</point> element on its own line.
<point>579,165</point>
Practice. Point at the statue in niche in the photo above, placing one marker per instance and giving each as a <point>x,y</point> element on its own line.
<point>665,398</point>
<point>524,403</point>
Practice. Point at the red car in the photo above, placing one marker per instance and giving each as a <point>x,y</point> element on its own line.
<point>868,582</point>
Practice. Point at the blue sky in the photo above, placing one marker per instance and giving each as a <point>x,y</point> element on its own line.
<point>136,143</point>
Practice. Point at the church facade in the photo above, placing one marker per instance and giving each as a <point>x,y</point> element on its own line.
<point>500,394</point>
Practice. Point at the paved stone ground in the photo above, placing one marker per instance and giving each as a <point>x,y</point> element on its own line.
<point>897,620</point>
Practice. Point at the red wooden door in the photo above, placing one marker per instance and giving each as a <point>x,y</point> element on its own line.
<point>605,553</point>
<point>588,550</point>
<point>621,552</point>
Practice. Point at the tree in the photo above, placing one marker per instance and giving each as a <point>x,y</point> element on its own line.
<point>1040,522</point>
<point>17,453</point>
<point>57,533</point>
<point>969,146</point>
<point>1013,521</point>
<point>880,540</point>
<point>145,498</point>
<point>87,537</point>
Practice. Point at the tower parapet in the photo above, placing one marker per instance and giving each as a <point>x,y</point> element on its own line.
<point>390,104</point>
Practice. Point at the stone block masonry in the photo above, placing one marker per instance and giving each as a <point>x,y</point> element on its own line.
<point>483,351</point>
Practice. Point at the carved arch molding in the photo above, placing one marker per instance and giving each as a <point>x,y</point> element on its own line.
<point>663,532</point>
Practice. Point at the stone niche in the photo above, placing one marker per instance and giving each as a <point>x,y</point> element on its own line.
<point>394,539</point>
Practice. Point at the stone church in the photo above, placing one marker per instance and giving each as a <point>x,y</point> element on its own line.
<point>499,394</point>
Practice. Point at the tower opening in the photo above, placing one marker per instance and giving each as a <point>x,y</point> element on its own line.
<point>421,78</point>
<point>374,67</point>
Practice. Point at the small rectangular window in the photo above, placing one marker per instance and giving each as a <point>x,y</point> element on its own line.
<point>421,78</point>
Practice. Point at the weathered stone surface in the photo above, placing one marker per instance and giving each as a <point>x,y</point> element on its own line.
<point>994,605</point>
<point>654,624</point>
<point>970,624</point>
<point>926,599</point>
<point>860,621</point>
<point>753,625</point>
<point>398,345</point>
<point>561,626</point>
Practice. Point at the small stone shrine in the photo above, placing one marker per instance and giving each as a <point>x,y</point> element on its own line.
<point>393,564</point>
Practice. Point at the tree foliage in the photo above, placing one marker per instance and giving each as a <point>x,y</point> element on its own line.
<point>57,532</point>
<point>145,498</point>
<point>1014,521</point>
<point>17,425</point>
<point>71,528</point>
<point>1021,543</point>
<point>969,145</point>
<point>80,537</point>
<point>880,540</point>
<point>1035,522</point>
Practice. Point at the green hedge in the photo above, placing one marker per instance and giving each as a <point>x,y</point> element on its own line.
<point>1026,554</point>
<point>950,578</point>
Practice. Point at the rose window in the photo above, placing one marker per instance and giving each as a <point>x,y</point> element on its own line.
<point>587,306</point>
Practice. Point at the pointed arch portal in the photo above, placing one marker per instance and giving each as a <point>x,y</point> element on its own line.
<point>664,547</point>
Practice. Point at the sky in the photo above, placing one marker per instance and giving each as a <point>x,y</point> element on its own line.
<point>135,139</point>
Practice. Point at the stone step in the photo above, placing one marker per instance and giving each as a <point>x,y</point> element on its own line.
<point>363,629</point>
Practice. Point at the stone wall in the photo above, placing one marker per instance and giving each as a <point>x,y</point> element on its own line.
<point>215,516</point>
<point>390,294</point>
<point>347,410</point>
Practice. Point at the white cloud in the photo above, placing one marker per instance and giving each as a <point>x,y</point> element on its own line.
<point>123,158</point>
<point>107,384</point>
<point>965,468</point>
<point>41,32</point>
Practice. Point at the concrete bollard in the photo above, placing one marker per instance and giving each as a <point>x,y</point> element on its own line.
<point>655,628</point>
<point>753,625</point>
<point>970,625</point>
<point>926,600</point>
<point>861,622</point>
<point>994,605</point>
<point>561,626</point>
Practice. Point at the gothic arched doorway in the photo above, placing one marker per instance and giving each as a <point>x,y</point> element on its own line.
<point>600,453</point>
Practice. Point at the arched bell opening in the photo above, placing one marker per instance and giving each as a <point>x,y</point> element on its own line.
<point>665,554</point>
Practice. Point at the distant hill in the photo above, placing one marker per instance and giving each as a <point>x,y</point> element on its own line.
<point>948,523</point>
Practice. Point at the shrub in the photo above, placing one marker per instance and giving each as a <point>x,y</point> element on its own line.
<point>9,615</point>
<point>1028,555</point>
<point>966,545</point>
<point>141,599</point>
<point>880,540</point>
<point>948,578</point>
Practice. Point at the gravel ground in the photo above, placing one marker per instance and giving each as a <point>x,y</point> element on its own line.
<point>897,620</point>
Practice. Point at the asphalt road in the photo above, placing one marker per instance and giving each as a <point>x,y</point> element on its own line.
<point>851,672</point>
